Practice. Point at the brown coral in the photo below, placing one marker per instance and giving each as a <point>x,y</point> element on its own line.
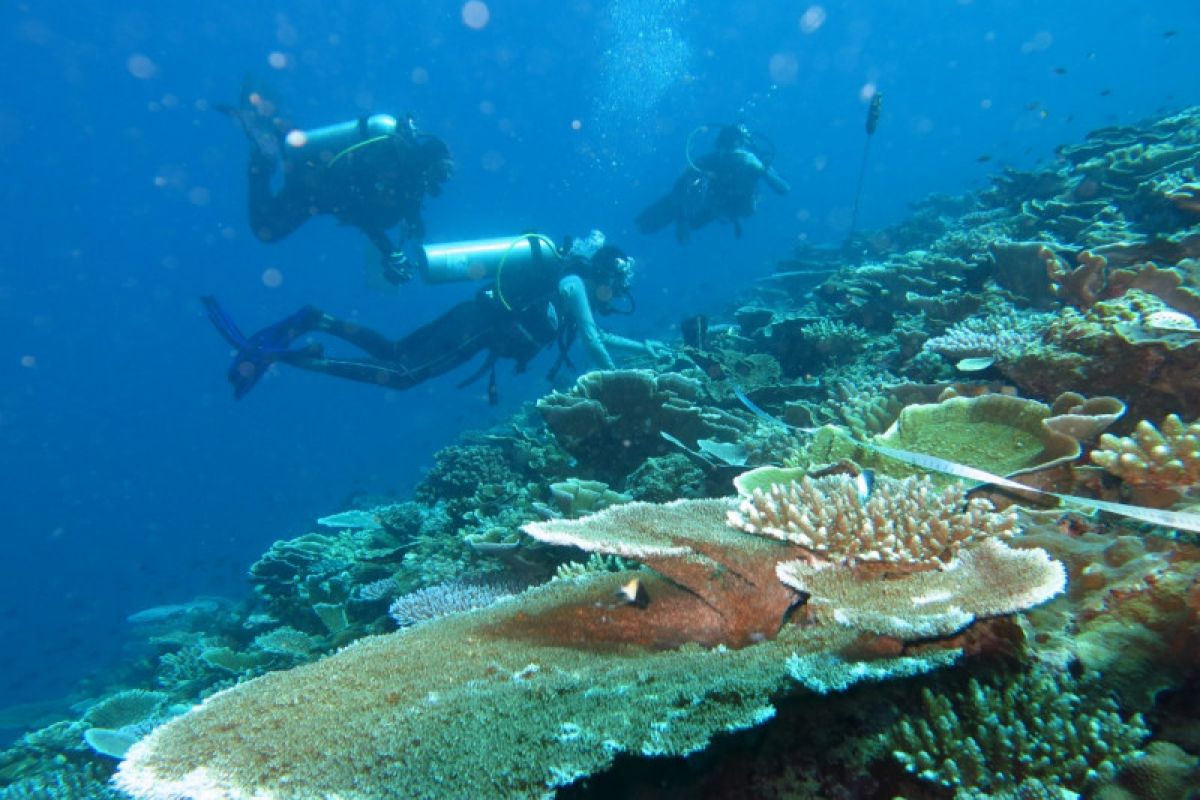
<point>723,587</point>
<point>1159,458</point>
<point>907,521</point>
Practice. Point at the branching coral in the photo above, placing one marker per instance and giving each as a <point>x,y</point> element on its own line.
<point>906,521</point>
<point>1042,726</point>
<point>437,601</point>
<point>998,335</point>
<point>1160,458</point>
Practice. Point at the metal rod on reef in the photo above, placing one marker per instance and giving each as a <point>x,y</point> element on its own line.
<point>872,123</point>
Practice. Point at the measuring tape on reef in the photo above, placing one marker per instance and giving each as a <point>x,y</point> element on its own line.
<point>1155,516</point>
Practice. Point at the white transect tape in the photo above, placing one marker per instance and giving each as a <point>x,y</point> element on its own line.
<point>1155,516</point>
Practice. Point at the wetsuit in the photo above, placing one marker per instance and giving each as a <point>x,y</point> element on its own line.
<point>373,186</point>
<point>720,186</point>
<point>515,317</point>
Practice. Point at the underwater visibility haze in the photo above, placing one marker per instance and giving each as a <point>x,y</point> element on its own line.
<point>814,415</point>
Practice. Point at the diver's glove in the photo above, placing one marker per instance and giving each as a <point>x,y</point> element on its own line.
<point>397,268</point>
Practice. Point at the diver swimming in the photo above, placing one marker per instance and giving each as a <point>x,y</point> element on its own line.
<point>535,294</point>
<point>371,173</point>
<point>719,185</point>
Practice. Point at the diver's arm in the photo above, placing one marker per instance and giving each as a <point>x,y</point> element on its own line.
<point>598,341</point>
<point>768,174</point>
<point>650,347</point>
<point>777,184</point>
<point>574,293</point>
<point>382,242</point>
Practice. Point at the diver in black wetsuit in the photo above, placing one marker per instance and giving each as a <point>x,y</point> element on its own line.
<point>372,173</point>
<point>524,308</point>
<point>719,185</point>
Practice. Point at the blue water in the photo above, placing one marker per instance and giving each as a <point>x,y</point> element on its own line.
<point>131,478</point>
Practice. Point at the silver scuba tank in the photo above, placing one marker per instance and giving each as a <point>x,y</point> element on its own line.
<point>482,259</point>
<point>324,143</point>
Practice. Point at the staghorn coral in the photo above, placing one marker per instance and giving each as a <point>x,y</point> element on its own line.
<point>907,521</point>
<point>1167,457</point>
<point>1041,726</point>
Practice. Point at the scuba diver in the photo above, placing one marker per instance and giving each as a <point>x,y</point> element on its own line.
<point>371,173</point>
<point>536,295</point>
<point>719,185</point>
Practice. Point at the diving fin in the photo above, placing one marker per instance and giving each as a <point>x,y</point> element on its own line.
<point>259,121</point>
<point>256,354</point>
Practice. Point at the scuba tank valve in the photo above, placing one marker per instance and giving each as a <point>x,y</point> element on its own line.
<point>325,143</point>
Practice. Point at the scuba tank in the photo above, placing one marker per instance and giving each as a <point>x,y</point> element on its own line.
<point>327,142</point>
<point>480,259</point>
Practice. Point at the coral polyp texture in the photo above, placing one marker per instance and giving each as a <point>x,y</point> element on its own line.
<point>986,580</point>
<point>1038,729</point>
<point>1166,457</point>
<point>998,335</point>
<point>907,521</point>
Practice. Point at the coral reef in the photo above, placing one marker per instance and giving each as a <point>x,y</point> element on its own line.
<point>612,421</point>
<point>695,615</point>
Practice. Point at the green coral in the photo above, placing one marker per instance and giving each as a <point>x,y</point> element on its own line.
<point>459,470</point>
<point>1038,726</point>
<point>663,478</point>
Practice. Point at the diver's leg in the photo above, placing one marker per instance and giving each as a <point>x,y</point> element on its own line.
<point>379,373</point>
<point>274,216</point>
<point>433,349</point>
<point>370,341</point>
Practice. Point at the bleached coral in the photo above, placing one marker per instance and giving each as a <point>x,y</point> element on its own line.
<point>1163,458</point>
<point>907,521</point>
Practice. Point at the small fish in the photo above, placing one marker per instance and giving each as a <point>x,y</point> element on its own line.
<point>1105,92</point>
<point>1170,34</point>
<point>1033,106</point>
<point>634,593</point>
<point>1060,70</point>
<point>983,159</point>
<point>864,484</point>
